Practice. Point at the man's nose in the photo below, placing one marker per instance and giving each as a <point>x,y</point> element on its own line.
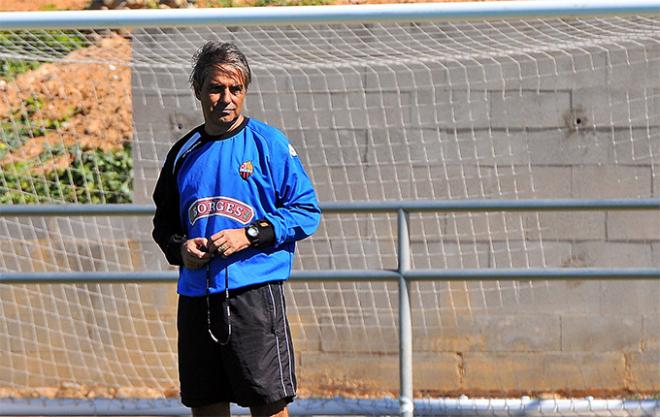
<point>225,97</point>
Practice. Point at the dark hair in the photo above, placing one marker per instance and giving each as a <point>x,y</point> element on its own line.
<point>214,54</point>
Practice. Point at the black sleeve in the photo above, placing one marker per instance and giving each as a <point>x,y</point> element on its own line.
<point>167,231</point>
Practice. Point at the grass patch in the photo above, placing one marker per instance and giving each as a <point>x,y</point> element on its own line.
<point>47,43</point>
<point>92,177</point>
<point>21,126</point>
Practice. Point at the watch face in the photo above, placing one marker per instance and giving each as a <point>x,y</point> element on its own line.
<point>252,231</point>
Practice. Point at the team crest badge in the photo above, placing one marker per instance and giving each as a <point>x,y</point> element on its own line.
<point>246,169</point>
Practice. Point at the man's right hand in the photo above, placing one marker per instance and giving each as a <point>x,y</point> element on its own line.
<point>194,253</point>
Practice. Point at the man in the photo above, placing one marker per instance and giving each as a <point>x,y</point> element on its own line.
<point>231,200</point>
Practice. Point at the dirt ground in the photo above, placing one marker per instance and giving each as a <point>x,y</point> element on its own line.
<point>32,5</point>
<point>93,99</point>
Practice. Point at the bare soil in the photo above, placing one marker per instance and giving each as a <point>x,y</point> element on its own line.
<point>94,100</point>
<point>33,5</point>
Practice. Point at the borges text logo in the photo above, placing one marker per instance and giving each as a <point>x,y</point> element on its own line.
<point>220,206</point>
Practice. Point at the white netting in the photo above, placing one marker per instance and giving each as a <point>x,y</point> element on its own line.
<point>552,108</point>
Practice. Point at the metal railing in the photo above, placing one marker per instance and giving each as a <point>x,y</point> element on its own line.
<point>403,274</point>
<point>366,13</point>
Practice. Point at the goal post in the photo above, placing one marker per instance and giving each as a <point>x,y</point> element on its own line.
<point>487,101</point>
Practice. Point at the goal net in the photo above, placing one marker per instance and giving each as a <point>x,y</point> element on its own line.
<point>557,108</point>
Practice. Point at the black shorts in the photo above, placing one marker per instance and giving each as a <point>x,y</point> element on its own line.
<point>255,368</point>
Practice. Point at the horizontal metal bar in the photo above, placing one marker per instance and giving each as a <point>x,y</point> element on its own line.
<point>492,205</point>
<point>338,407</point>
<point>26,210</point>
<point>88,277</point>
<point>369,13</point>
<point>532,274</point>
<point>484,274</point>
<point>172,276</point>
<point>346,275</point>
<point>23,210</point>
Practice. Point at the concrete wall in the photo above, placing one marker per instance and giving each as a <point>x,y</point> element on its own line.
<point>581,126</point>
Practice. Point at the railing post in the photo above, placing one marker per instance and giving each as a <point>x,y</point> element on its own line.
<point>406,407</point>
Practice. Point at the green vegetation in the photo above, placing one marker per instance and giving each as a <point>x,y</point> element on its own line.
<point>10,68</point>
<point>49,43</point>
<point>21,125</point>
<point>92,177</point>
<point>221,3</point>
<point>48,7</point>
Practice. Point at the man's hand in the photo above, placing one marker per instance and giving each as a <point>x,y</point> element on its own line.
<point>195,253</point>
<point>228,242</point>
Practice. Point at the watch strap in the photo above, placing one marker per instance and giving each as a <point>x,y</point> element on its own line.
<point>265,235</point>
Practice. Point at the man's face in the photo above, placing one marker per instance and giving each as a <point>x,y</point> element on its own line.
<point>221,97</point>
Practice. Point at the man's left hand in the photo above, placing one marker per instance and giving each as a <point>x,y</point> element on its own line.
<point>228,242</point>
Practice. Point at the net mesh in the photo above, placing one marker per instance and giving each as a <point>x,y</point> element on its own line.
<point>557,108</point>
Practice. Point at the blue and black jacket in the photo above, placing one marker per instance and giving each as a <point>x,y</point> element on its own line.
<point>209,184</point>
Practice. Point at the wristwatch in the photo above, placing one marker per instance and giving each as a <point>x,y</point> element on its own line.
<point>260,233</point>
<point>252,233</point>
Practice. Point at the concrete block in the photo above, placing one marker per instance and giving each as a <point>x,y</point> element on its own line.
<point>427,181</point>
<point>450,254</point>
<point>358,330</point>
<point>26,228</point>
<point>527,108</point>
<point>321,374</point>
<point>342,79</point>
<point>655,254</point>
<point>436,372</point>
<point>412,145</point>
<point>401,77</point>
<point>388,108</point>
<point>634,66</point>
<point>551,70</point>
<point>638,226</point>
<point>444,254</point>
<point>614,254</point>
<point>567,226</point>
<point>453,181</point>
<point>611,182</point>
<point>485,227</point>
<point>338,148</point>
<point>627,297</point>
<point>568,147</point>
<point>538,297</point>
<point>281,101</point>
<point>269,80</point>
<point>452,108</point>
<point>494,333</point>
<point>570,373</point>
<point>620,107</point>
<point>426,227</point>
<point>548,182</point>
<point>511,182</point>
<point>484,146</point>
<point>645,371</point>
<point>345,375</point>
<point>651,332</point>
<point>606,333</point>
<point>518,253</point>
<point>634,146</point>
